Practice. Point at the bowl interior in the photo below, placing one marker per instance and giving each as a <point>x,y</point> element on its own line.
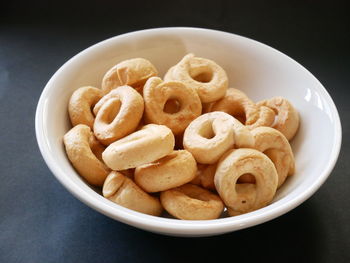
<point>261,72</point>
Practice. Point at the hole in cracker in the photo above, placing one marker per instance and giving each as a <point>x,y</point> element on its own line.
<point>241,118</point>
<point>113,110</point>
<point>203,77</point>
<point>172,106</point>
<point>207,131</point>
<point>246,179</point>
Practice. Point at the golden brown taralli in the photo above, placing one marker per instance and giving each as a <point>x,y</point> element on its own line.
<point>157,93</point>
<point>132,72</point>
<point>212,134</point>
<point>204,75</point>
<point>84,152</point>
<point>173,170</point>
<point>287,116</point>
<point>80,104</point>
<point>117,114</point>
<point>123,191</point>
<point>191,202</point>
<point>150,143</point>
<point>273,143</point>
<point>244,198</point>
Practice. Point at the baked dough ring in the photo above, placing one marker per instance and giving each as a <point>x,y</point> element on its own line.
<point>117,114</point>
<point>173,170</point>
<point>287,116</point>
<point>132,72</point>
<point>237,104</point>
<point>150,143</point>
<point>204,75</point>
<point>243,198</point>
<point>80,104</point>
<point>84,152</point>
<point>123,191</point>
<point>212,134</point>
<point>273,143</point>
<point>191,202</point>
<point>156,93</point>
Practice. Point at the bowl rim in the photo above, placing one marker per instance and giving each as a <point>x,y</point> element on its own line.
<point>175,226</point>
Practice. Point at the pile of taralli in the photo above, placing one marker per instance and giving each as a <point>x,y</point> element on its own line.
<point>187,144</point>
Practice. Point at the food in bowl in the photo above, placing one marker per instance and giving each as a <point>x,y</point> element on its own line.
<point>124,136</point>
<point>255,68</point>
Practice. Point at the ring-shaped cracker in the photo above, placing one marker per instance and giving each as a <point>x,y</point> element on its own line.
<point>144,146</point>
<point>243,198</point>
<point>123,191</point>
<point>132,72</point>
<point>275,145</point>
<point>173,170</point>
<point>212,134</point>
<point>191,202</point>
<point>117,114</point>
<point>84,152</point>
<point>204,75</point>
<point>287,121</point>
<point>157,93</point>
<point>80,104</point>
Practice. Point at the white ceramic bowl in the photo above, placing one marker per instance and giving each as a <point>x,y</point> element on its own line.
<point>260,71</point>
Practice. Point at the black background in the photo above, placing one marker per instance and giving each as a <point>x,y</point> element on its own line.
<point>41,222</point>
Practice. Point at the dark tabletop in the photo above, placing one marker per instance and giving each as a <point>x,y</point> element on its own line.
<point>41,222</point>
